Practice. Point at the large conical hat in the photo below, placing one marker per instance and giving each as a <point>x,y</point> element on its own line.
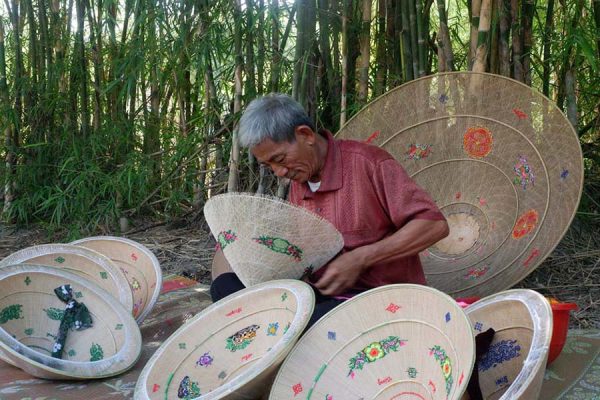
<point>513,368</point>
<point>137,262</point>
<point>84,262</point>
<point>392,342</point>
<point>232,349</point>
<point>30,316</point>
<point>500,160</point>
<point>265,238</point>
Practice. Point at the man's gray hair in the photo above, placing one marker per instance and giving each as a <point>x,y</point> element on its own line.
<point>274,116</point>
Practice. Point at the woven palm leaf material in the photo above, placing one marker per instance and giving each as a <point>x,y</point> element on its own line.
<point>32,311</point>
<point>75,316</point>
<point>233,348</point>
<point>392,342</point>
<point>513,366</point>
<point>501,161</point>
<point>139,265</point>
<point>264,238</point>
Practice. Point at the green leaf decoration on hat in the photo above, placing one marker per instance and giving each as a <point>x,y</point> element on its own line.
<point>11,312</point>
<point>280,245</point>
<point>54,313</point>
<point>96,352</point>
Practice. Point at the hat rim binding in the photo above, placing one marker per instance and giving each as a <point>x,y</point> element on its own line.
<point>305,301</point>
<point>541,315</point>
<point>474,290</point>
<point>241,269</point>
<point>22,256</point>
<point>459,312</point>
<point>148,253</point>
<point>127,356</point>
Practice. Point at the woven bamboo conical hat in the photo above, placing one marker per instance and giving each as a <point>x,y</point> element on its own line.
<point>137,262</point>
<point>87,263</point>
<point>233,348</point>
<point>30,314</point>
<point>514,366</point>
<point>265,238</point>
<point>500,160</point>
<point>392,342</point>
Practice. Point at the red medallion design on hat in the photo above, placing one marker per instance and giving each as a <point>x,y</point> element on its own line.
<point>477,142</point>
<point>525,224</point>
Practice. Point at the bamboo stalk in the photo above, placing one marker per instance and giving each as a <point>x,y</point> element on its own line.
<point>570,80</point>
<point>407,48</point>
<point>503,46</point>
<point>365,52</point>
<point>517,41</point>
<point>381,50</point>
<point>548,28</point>
<point>421,42</point>
<point>475,15</point>
<point>482,40</point>
<point>414,46</point>
<point>444,37</point>
<point>527,26</point>
<point>234,159</point>
<point>345,55</point>
<point>10,161</point>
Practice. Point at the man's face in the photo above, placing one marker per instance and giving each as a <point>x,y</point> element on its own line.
<point>297,161</point>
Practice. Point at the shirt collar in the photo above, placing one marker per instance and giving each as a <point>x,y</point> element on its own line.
<point>331,175</point>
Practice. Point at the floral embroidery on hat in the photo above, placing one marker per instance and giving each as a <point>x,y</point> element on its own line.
<point>418,151</point>
<point>225,238</point>
<point>188,389</point>
<point>524,173</point>
<point>374,352</point>
<point>476,272</point>
<point>205,360</point>
<point>280,245</point>
<point>440,355</point>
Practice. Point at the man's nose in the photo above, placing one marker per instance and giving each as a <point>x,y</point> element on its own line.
<point>279,170</point>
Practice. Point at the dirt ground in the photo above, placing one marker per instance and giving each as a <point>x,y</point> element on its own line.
<point>571,273</point>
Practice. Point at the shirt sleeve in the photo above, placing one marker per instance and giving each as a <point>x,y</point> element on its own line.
<point>401,197</point>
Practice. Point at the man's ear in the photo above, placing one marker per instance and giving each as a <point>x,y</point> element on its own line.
<point>305,134</point>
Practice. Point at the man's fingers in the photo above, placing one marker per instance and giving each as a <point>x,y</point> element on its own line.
<point>325,280</point>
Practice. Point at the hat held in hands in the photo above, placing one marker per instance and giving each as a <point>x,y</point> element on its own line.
<point>265,238</point>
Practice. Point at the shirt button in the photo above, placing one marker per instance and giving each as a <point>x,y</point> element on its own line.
<point>319,209</point>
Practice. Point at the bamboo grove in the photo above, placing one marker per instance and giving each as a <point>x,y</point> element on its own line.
<point>117,108</point>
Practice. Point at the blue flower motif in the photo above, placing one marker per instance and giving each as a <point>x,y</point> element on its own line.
<point>498,353</point>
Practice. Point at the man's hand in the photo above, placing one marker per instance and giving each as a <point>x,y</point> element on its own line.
<point>341,274</point>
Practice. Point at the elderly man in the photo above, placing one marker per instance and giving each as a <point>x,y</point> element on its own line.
<point>384,217</point>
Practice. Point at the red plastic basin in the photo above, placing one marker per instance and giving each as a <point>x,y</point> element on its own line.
<point>560,315</point>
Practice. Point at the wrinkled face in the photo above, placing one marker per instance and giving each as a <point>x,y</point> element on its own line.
<point>297,161</point>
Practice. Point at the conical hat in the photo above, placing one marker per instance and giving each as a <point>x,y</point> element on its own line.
<point>514,366</point>
<point>137,262</point>
<point>233,348</point>
<point>265,238</point>
<point>30,314</point>
<point>392,342</point>
<point>501,161</point>
<point>84,262</point>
